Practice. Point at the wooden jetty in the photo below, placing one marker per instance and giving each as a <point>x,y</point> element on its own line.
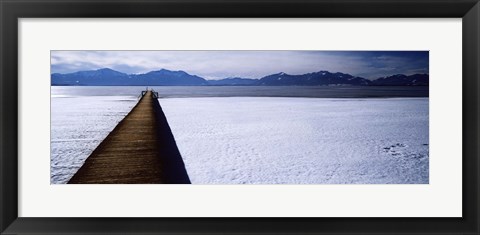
<point>140,150</point>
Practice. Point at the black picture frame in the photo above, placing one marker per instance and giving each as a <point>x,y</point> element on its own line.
<point>12,10</point>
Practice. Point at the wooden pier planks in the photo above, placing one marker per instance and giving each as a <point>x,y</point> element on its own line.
<point>130,154</point>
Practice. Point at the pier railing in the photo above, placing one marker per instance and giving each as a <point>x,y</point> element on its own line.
<point>154,94</point>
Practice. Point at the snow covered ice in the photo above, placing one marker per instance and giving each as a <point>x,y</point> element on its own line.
<point>255,140</point>
<point>263,140</point>
<point>78,125</point>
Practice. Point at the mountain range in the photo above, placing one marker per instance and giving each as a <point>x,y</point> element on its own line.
<point>164,77</point>
<point>236,81</point>
<point>109,77</point>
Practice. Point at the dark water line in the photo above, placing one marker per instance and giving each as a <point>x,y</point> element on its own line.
<point>252,91</point>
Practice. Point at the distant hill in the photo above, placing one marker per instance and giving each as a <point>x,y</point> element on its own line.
<point>313,79</point>
<point>164,77</point>
<point>403,80</point>
<point>92,77</point>
<point>109,77</point>
<point>236,81</point>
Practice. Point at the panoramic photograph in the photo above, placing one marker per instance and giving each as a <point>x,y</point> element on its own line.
<point>239,117</point>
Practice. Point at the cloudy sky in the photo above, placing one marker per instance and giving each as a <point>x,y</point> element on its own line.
<point>247,64</point>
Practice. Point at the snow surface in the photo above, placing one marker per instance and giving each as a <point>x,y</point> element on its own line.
<point>264,140</point>
<point>78,125</point>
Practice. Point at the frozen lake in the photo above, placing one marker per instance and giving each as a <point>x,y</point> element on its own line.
<point>78,125</point>
<point>246,140</point>
<point>258,140</point>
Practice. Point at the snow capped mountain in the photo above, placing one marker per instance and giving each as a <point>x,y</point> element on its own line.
<point>164,77</point>
<point>313,79</point>
<point>403,80</point>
